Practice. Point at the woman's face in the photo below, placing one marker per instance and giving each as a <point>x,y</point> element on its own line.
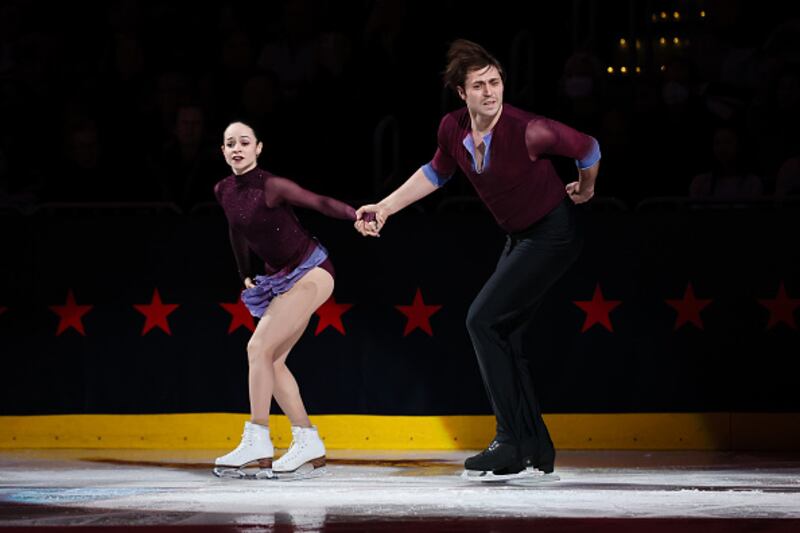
<point>240,148</point>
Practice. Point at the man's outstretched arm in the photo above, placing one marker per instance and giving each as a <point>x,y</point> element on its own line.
<point>416,187</point>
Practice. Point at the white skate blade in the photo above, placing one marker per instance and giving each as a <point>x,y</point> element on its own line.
<point>243,473</point>
<point>529,476</point>
<point>304,471</point>
<point>540,477</point>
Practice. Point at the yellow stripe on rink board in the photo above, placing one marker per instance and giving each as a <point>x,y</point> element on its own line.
<point>662,431</point>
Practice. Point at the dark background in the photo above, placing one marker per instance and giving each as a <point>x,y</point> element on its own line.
<point>111,118</point>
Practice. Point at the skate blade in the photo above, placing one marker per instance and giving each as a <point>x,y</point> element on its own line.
<point>305,471</point>
<point>537,479</point>
<point>243,473</point>
<point>529,476</point>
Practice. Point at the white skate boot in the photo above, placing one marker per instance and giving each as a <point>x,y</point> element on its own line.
<point>255,449</point>
<point>306,455</point>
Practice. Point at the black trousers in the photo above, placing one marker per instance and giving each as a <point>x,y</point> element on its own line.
<point>532,261</point>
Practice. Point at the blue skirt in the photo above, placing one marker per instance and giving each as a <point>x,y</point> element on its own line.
<point>258,298</point>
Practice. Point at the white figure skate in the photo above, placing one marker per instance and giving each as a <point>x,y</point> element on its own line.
<point>255,450</point>
<point>306,456</point>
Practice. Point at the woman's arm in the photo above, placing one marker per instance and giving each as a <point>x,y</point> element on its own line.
<point>278,190</point>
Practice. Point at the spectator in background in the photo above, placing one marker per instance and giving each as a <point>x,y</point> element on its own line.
<point>172,88</point>
<point>82,175</point>
<point>86,174</point>
<point>679,127</point>
<point>385,44</point>
<point>5,185</point>
<point>293,54</point>
<point>581,91</point>
<point>124,98</point>
<point>15,189</point>
<point>262,103</point>
<point>187,167</point>
<point>223,86</point>
<point>788,182</point>
<point>775,121</point>
<point>724,34</point>
<point>620,160</point>
<point>261,96</point>
<point>728,178</point>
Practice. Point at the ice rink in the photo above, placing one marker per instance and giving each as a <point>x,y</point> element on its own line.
<point>597,491</point>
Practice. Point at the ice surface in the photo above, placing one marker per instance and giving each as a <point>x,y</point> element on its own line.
<point>87,486</point>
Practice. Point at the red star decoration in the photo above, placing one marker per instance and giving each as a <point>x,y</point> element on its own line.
<point>156,313</point>
<point>70,314</point>
<point>330,314</point>
<point>240,316</point>
<point>688,309</point>
<point>418,314</point>
<point>781,308</point>
<point>597,310</point>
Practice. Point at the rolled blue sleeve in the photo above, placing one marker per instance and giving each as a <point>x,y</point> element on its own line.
<point>591,158</point>
<point>433,176</point>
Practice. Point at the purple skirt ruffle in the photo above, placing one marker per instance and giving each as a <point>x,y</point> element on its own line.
<point>258,298</point>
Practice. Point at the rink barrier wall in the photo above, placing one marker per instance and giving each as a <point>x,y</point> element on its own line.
<point>642,356</point>
<point>662,431</point>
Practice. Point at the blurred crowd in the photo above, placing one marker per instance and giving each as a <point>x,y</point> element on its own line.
<point>126,101</point>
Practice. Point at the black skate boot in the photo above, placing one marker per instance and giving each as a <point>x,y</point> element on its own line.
<point>499,458</point>
<point>547,461</point>
<point>539,456</point>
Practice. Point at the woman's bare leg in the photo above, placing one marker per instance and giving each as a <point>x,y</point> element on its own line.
<point>285,390</point>
<point>278,330</point>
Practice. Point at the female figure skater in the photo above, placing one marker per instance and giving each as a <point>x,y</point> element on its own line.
<point>258,206</point>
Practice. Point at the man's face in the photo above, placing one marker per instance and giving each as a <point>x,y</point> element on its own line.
<point>483,91</point>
